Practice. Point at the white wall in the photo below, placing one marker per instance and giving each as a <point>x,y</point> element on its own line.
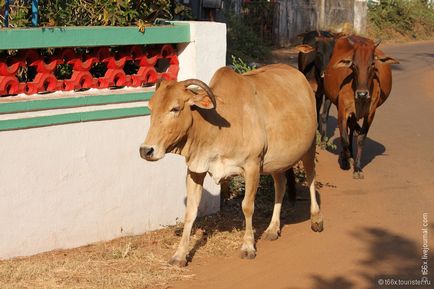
<point>69,185</point>
<point>205,54</point>
<point>360,16</point>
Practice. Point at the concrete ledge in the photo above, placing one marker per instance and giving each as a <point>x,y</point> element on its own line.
<point>88,36</point>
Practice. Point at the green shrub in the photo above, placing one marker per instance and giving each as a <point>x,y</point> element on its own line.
<point>412,19</point>
<point>93,12</point>
<point>19,13</point>
<point>240,66</point>
<point>242,40</point>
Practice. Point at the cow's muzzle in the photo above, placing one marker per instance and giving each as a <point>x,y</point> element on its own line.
<point>147,152</point>
<point>362,95</point>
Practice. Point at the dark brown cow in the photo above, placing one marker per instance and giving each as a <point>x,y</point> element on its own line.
<point>358,79</point>
<point>313,57</point>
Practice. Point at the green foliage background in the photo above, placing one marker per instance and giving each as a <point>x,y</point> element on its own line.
<point>245,35</point>
<point>412,19</point>
<point>91,12</point>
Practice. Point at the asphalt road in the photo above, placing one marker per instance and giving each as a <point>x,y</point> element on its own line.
<point>373,235</point>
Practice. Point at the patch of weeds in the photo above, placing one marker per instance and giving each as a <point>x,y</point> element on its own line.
<point>240,66</point>
<point>326,143</point>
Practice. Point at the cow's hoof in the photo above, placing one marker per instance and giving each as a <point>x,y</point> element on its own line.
<point>358,175</point>
<point>317,227</point>
<point>248,254</point>
<point>344,163</point>
<point>271,235</point>
<point>174,261</point>
<point>317,224</point>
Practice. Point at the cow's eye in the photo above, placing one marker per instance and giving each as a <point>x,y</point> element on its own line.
<point>175,109</point>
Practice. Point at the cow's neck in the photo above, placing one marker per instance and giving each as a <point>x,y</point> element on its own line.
<point>200,137</point>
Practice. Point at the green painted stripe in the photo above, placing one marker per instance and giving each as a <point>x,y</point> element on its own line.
<point>13,124</point>
<point>43,104</point>
<point>21,38</point>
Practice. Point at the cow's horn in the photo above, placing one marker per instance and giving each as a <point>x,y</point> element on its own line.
<point>202,85</point>
<point>350,41</point>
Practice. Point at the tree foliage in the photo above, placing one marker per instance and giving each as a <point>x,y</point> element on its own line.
<point>414,19</point>
<point>93,12</point>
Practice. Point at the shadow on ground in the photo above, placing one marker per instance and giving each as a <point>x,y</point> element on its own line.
<point>398,67</point>
<point>230,218</point>
<point>390,256</point>
<point>372,148</point>
<point>425,54</point>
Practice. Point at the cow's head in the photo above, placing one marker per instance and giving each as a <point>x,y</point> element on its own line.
<point>171,115</point>
<point>363,62</point>
<point>323,51</point>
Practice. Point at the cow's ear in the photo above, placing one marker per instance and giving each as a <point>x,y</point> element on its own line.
<point>304,48</point>
<point>201,99</point>
<point>346,62</point>
<point>387,59</point>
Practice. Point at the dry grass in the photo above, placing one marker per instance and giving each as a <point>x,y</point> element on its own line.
<point>131,262</point>
<point>140,262</point>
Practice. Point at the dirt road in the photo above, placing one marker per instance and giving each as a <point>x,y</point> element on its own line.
<point>373,227</point>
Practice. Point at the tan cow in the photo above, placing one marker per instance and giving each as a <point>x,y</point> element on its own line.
<point>261,122</point>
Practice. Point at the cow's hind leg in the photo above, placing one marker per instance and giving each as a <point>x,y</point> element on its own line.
<point>319,100</point>
<point>251,176</point>
<point>315,212</point>
<point>351,139</point>
<point>273,230</point>
<point>194,193</point>
<point>290,186</point>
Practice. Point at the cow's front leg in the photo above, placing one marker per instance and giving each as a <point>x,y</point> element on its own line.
<point>358,173</point>
<point>251,176</point>
<point>194,193</point>
<point>345,157</point>
<point>273,230</point>
<point>323,122</point>
<point>319,94</point>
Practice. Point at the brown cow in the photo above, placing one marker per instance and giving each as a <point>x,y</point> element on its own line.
<point>261,122</point>
<point>358,79</point>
